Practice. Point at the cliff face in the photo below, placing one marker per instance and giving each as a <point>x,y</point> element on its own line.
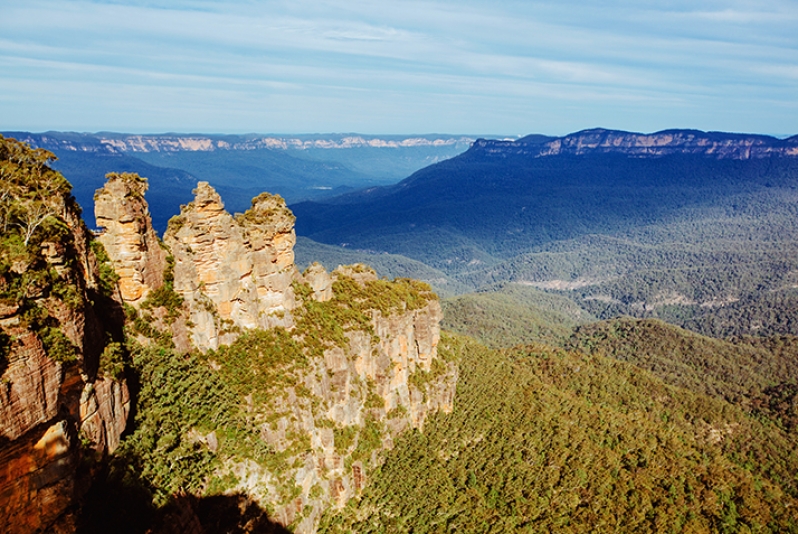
<point>599,141</point>
<point>349,403</point>
<point>56,403</point>
<point>116,143</point>
<point>233,273</point>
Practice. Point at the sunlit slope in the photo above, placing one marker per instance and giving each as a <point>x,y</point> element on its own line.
<point>513,314</point>
<point>545,440</point>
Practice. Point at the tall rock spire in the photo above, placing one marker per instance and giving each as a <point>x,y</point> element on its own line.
<point>234,273</point>
<point>128,236</point>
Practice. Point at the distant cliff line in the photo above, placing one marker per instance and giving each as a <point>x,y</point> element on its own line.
<point>721,145</point>
<point>170,142</point>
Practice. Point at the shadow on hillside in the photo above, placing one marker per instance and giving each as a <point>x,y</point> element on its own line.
<point>119,502</point>
<point>219,513</point>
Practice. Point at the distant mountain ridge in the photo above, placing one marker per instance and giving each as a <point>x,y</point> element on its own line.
<point>297,167</point>
<point>690,227</point>
<point>666,142</point>
<point>172,142</point>
<point>505,196</point>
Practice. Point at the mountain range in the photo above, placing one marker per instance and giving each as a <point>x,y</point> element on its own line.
<point>695,228</point>
<point>501,198</point>
<point>240,166</point>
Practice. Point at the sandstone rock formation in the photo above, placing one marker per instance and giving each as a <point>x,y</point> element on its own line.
<point>387,378</point>
<point>233,273</point>
<point>325,429</point>
<point>52,394</point>
<point>236,274</point>
<point>319,281</point>
<point>128,236</point>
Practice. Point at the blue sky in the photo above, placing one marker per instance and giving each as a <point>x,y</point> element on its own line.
<point>465,66</point>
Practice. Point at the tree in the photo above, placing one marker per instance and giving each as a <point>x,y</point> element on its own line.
<point>30,191</point>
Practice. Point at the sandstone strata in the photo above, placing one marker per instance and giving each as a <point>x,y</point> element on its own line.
<point>233,273</point>
<point>600,141</point>
<point>238,273</point>
<point>128,236</point>
<point>48,406</point>
<point>386,379</point>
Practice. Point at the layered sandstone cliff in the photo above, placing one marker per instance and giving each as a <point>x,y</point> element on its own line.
<point>57,406</point>
<point>347,405</point>
<point>719,145</point>
<point>365,362</point>
<point>120,143</point>
<point>128,236</point>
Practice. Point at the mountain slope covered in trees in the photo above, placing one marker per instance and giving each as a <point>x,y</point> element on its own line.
<point>543,439</point>
<point>504,198</point>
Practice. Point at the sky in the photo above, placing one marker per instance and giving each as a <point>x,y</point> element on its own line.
<point>398,67</point>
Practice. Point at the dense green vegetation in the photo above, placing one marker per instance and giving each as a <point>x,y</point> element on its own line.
<point>39,269</point>
<point>547,440</point>
<point>513,314</point>
<point>735,371</point>
<point>178,393</point>
<point>505,203</point>
<point>722,276</point>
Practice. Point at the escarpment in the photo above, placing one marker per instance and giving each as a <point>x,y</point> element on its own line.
<point>321,370</point>
<point>719,145</point>
<point>342,398</point>
<point>61,403</point>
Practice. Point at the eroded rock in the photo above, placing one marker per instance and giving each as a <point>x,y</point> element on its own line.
<point>51,339</point>
<point>128,236</point>
<point>233,273</point>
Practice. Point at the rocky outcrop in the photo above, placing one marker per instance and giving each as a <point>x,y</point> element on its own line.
<point>30,388</point>
<point>348,405</point>
<point>128,236</point>
<point>53,397</point>
<point>50,411</point>
<point>319,281</point>
<point>38,482</point>
<point>599,141</point>
<point>237,273</point>
<point>233,273</point>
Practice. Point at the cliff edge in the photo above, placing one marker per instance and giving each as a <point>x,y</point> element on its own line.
<point>63,400</point>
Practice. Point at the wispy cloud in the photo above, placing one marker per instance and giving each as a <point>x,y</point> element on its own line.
<point>470,66</point>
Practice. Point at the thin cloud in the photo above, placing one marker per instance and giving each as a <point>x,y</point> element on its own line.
<point>354,62</point>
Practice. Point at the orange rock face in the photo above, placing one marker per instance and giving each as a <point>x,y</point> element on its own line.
<point>128,236</point>
<point>51,397</point>
<point>233,272</point>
